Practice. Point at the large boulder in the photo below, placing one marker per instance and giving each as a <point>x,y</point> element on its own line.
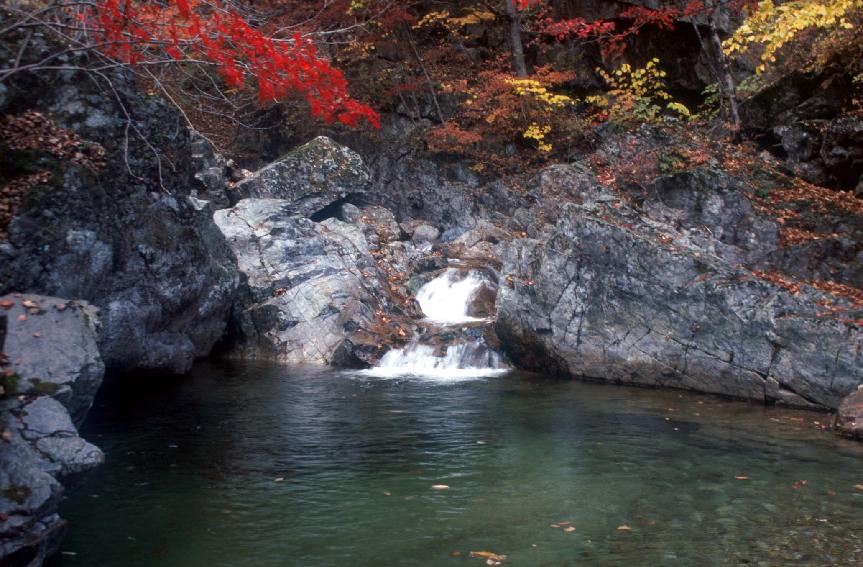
<point>310,290</point>
<point>310,177</point>
<point>50,367</point>
<point>615,296</point>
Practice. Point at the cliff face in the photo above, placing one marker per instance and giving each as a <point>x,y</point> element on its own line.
<point>123,232</point>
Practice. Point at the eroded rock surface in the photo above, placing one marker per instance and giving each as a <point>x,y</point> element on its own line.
<point>310,290</point>
<point>614,295</point>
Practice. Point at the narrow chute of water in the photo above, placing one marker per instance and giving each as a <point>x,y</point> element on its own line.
<point>446,302</point>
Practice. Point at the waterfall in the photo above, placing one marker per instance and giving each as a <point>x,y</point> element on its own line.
<point>446,301</point>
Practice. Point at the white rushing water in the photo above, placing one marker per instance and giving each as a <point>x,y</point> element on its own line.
<point>445,301</point>
<point>460,362</point>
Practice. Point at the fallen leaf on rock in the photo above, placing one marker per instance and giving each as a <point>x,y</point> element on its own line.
<point>7,304</point>
<point>488,555</point>
<point>30,304</point>
<point>22,317</point>
<point>7,436</point>
<point>624,528</point>
<point>440,487</point>
<point>36,335</point>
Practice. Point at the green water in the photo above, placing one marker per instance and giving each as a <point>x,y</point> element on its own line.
<point>192,469</point>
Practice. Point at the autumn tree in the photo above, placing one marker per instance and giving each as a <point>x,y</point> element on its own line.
<point>215,43</point>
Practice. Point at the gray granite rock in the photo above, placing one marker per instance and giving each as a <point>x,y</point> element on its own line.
<point>616,296</point>
<point>310,177</point>
<point>52,348</point>
<point>51,368</point>
<point>310,290</point>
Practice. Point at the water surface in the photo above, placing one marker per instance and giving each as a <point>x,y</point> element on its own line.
<point>258,465</point>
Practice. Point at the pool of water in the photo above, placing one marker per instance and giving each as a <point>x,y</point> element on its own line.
<point>258,465</point>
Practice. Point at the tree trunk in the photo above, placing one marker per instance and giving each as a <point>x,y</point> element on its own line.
<point>726,79</point>
<point>515,40</point>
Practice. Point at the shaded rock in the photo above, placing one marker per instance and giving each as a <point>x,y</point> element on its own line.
<point>614,296</point>
<point>713,207</point>
<point>310,290</point>
<point>849,418</point>
<point>127,237</point>
<point>309,178</point>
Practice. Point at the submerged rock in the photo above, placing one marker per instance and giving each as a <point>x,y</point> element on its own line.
<point>616,296</point>
<point>51,368</point>
<point>310,290</point>
<point>849,418</point>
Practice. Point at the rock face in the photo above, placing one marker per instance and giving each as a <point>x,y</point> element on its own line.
<point>849,418</point>
<point>310,177</point>
<point>613,295</point>
<point>310,290</point>
<point>51,350</point>
<point>40,444</point>
<point>125,237</point>
<point>803,114</point>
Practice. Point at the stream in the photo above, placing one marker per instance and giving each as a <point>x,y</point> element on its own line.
<point>441,451</point>
<point>259,465</point>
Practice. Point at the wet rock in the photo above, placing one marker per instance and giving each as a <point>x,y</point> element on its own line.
<point>53,368</point>
<point>310,290</point>
<point>849,418</point>
<point>615,296</point>
<point>309,178</point>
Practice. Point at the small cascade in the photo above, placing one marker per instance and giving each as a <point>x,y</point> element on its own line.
<point>447,303</point>
<point>446,299</point>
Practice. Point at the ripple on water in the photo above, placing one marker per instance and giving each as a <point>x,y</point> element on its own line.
<point>256,465</point>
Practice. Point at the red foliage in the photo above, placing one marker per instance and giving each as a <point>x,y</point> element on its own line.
<point>146,32</point>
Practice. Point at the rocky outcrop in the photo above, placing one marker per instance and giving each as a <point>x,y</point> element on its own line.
<point>849,417</point>
<point>311,292</point>
<point>126,236</point>
<point>41,395</point>
<point>802,114</point>
<point>616,296</point>
<point>310,177</point>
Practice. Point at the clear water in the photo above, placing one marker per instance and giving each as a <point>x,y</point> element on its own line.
<point>256,465</point>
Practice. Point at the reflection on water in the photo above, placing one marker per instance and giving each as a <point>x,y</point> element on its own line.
<point>256,465</point>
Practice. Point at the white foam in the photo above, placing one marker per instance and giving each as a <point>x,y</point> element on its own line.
<point>446,299</point>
